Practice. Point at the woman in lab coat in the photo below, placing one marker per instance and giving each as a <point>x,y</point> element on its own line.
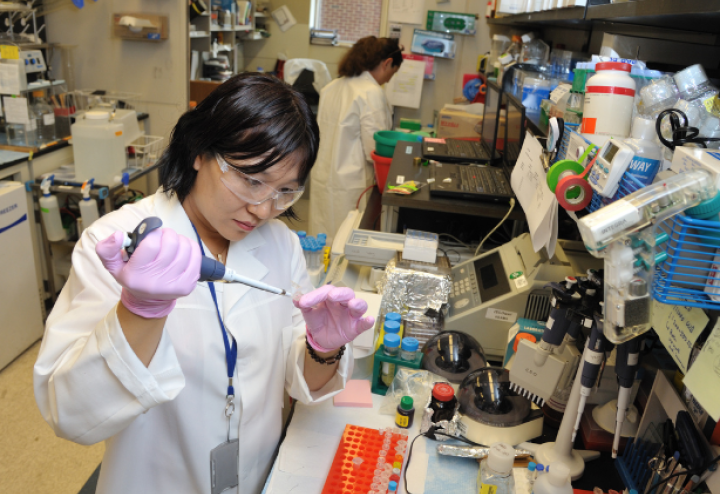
<point>134,353</point>
<point>352,108</point>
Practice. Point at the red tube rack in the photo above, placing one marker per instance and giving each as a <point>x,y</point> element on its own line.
<point>357,442</point>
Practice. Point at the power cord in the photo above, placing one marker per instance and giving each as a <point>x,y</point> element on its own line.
<point>512,206</point>
<point>455,239</point>
<point>431,434</point>
<point>682,133</point>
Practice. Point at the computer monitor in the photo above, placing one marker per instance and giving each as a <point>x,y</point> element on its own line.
<point>490,117</point>
<point>515,128</point>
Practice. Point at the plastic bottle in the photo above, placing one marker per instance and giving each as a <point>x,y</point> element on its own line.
<point>531,474</point>
<point>711,128</point>
<point>443,402</point>
<point>50,211</point>
<point>534,51</point>
<point>693,84</point>
<point>392,327</point>
<point>497,47</point>
<point>497,470</point>
<point>405,413</point>
<point>409,348</point>
<point>609,100</point>
<point>44,117</point>
<point>556,481</point>
<point>646,162</point>
<point>98,147</point>
<point>391,347</point>
<point>88,206</point>
<point>513,52</point>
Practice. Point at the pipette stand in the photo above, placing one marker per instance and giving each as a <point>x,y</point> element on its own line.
<point>561,450</point>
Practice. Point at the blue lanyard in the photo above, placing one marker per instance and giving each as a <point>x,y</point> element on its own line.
<point>230,352</point>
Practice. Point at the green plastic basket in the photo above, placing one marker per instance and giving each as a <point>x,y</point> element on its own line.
<point>386,140</point>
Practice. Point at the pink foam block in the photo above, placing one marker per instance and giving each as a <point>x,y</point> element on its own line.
<point>356,394</point>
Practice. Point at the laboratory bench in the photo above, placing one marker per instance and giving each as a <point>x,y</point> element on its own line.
<point>420,211</point>
<point>317,429</point>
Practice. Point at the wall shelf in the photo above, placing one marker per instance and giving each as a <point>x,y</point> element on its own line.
<point>692,15</point>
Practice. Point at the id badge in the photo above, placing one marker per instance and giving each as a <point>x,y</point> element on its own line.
<point>224,467</point>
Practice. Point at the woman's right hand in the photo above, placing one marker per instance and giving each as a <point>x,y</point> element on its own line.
<point>164,267</point>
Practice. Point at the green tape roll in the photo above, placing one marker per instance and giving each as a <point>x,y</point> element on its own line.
<point>562,169</point>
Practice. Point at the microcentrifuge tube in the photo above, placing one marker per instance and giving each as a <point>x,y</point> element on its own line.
<point>399,458</point>
<point>402,442</point>
<point>379,472</point>
<point>380,460</point>
<point>382,453</point>
<point>375,487</point>
<point>388,467</point>
<point>396,430</point>
<point>377,479</point>
<point>357,461</point>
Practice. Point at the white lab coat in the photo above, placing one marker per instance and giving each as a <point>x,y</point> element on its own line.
<point>161,422</point>
<point>351,110</point>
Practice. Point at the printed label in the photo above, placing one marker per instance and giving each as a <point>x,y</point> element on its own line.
<point>622,214</point>
<point>49,119</point>
<point>400,179</point>
<point>408,150</point>
<point>488,489</point>
<point>501,315</point>
<point>644,169</point>
<point>633,359</point>
<point>550,322</point>
<point>521,282</point>
<point>709,103</point>
<point>401,420</point>
<point>435,140</point>
<point>45,210</point>
<point>559,92</point>
<point>431,149</point>
<point>516,274</point>
<point>594,358</point>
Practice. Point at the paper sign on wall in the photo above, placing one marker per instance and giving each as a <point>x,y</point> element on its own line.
<point>406,11</point>
<point>703,379</point>
<point>429,64</point>
<point>678,328</point>
<point>405,88</point>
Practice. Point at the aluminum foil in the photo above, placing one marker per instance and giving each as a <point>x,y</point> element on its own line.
<point>474,451</point>
<point>449,427</point>
<point>419,291</point>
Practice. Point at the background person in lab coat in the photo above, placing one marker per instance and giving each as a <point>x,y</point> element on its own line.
<point>352,108</point>
<point>134,353</point>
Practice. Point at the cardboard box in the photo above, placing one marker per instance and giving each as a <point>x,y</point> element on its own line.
<point>453,123</point>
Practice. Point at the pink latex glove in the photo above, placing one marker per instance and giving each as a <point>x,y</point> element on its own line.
<point>164,267</point>
<point>333,317</point>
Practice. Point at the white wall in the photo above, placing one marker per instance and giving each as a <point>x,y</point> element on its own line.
<point>295,43</point>
<point>157,70</point>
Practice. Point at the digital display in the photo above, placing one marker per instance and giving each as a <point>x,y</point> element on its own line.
<point>488,278</point>
<point>491,277</point>
<point>610,153</point>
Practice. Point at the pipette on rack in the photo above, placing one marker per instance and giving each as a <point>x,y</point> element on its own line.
<point>210,269</point>
<point>593,355</point>
<point>626,364</point>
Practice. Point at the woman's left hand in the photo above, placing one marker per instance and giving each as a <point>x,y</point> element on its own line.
<point>333,317</point>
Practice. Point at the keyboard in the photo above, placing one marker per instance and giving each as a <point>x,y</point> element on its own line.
<point>458,148</point>
<point>470,182</point>
<point>484,181</point>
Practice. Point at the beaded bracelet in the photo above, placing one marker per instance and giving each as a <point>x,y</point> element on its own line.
<point>330,360</point>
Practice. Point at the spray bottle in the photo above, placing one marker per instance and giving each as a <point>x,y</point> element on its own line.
<point>88,206</point>
<point>50,211</point>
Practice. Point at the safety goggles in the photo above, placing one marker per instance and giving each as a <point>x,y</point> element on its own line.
<point>253,190</point>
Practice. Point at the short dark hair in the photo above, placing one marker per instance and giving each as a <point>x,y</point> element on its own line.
<point>249,116</point>
<point>367,53</point>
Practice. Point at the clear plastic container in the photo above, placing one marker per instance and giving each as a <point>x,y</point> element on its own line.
<point>98,147</point>
<point>409,348</point>
<point>659,95</point>
<point>497,470</point>
<point>711,128</point>
<point>693,84</point>
<point>391,347</point>
<point>498,45</point>
<point>534,51</point>
<point>534,91</point>
<point>44,117</point>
